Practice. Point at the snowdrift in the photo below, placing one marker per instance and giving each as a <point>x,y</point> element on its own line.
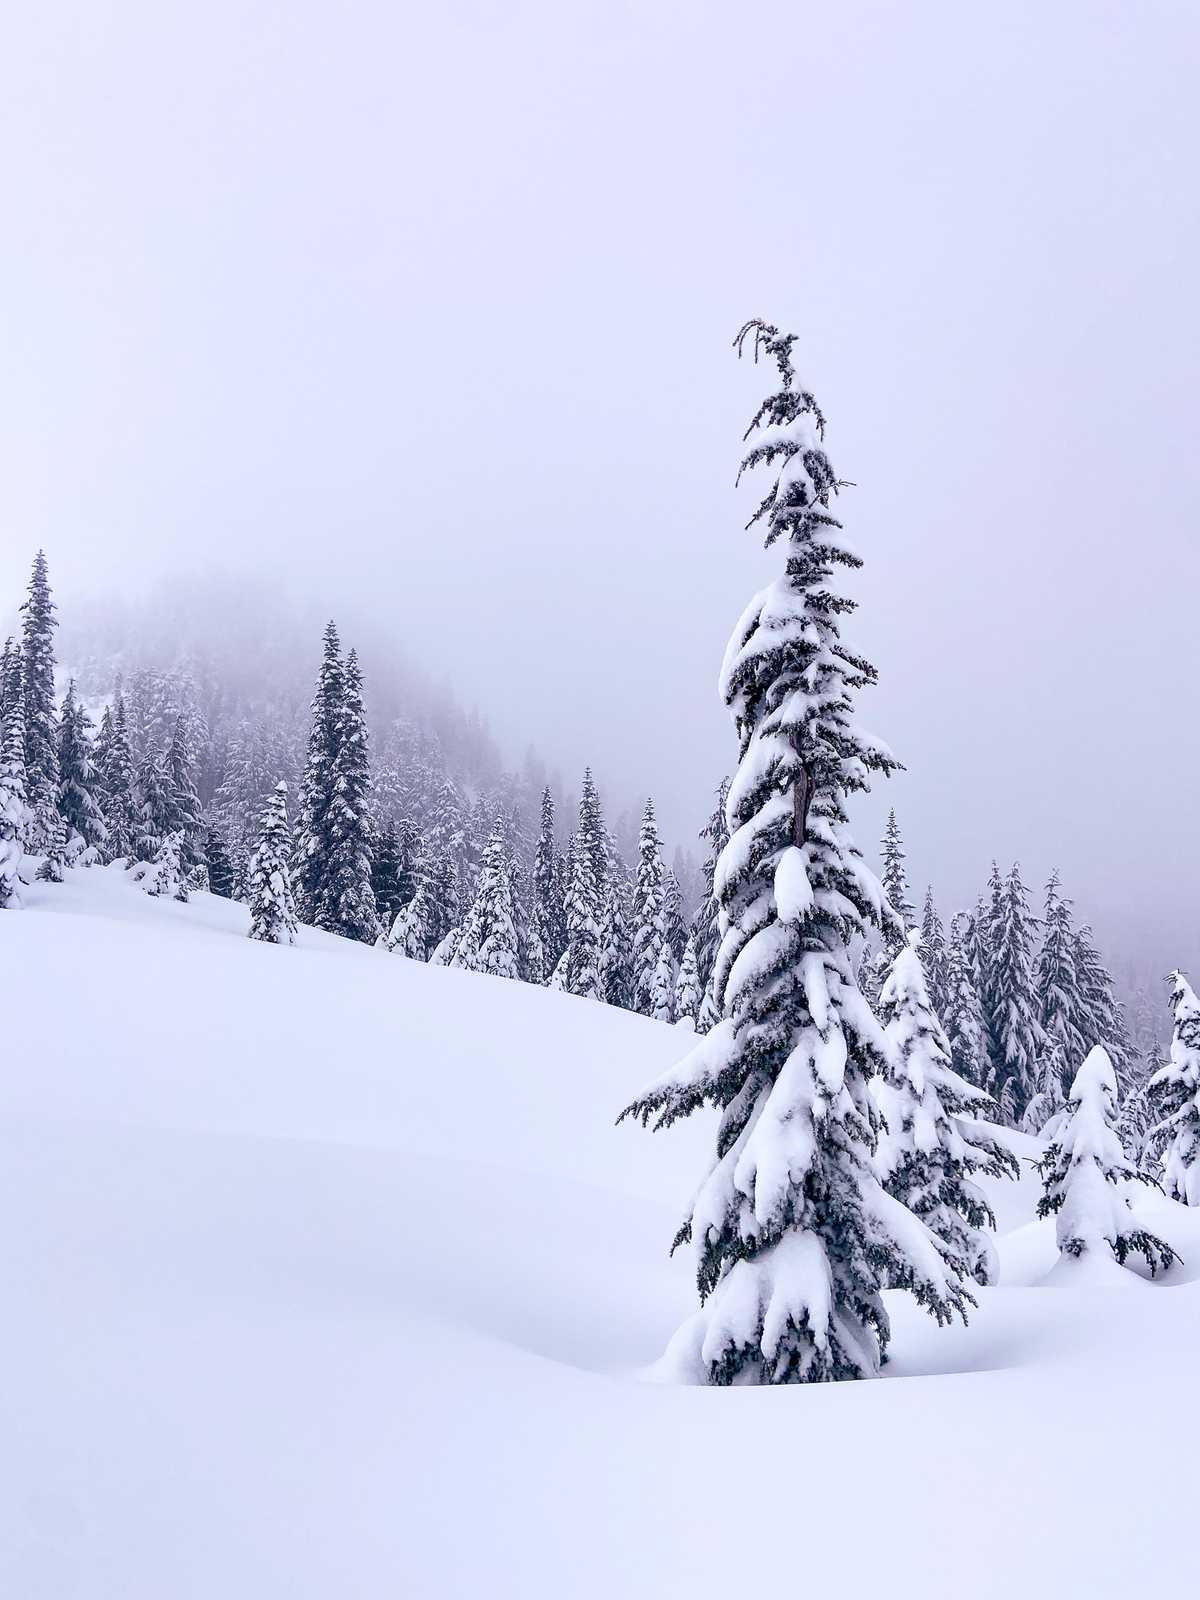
<point>328,1274</point>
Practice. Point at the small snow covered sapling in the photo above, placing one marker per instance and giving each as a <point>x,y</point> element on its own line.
<point>1176,1089</point>
<point>935,1141</point>
<point>165,878</point>
<point>1085,1174</point>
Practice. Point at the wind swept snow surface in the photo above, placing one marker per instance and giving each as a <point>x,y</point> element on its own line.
<point>326,1274</point>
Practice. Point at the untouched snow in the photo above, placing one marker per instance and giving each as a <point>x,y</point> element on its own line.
<point>327,1275</point>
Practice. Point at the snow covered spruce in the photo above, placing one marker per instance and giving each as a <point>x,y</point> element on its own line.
<point>1176,1088</point>
<point>934,1140</point>
<point>794,1235</point>
<point>272,908</point>
<point>1086,1176</point>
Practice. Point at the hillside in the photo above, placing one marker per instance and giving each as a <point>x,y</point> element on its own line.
<point>328,1274</point>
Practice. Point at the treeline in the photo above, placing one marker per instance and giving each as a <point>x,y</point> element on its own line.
<point>1022,998</point>
<point>381,847</point>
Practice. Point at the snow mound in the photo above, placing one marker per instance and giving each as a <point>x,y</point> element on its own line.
<point>328,1274</point>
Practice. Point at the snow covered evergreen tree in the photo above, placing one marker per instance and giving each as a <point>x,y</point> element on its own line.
<point>412,931</point>
<point>314,839</point>
<point>687,986</point>
<point>183,803</point>
<point>1175,1089</point>
<point>581,959</point>
<point>934,1147</point>
<point>964,1013</point>
<point>1017,1038</point>
<point>1101,1014</point>
<point>118,800</point>
<point>662,988</point>
<point>346,904</point>
<point>615,949</point>
<point>37,681</point>
<point>706,925</point>
<point>14,814</point>
<point>1059,999</point>
<point>272,907</point>
<point>489,936</point>
<point>894,877</point>
<point>164,878</point>
<point>1049,1099</point>
<point>78,782</point>
<point>648,931</point>
<point>549,910</point>
<point>794,1236</point>
<point>152,821</point>
<point>386,874</point>
<point>12,694</point>
<point>1085,1175</point>
<point>934,955</point>
<point>220,864</point>
<point>674,928</point>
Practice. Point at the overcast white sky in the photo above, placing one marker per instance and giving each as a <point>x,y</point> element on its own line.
<point>433,305</point>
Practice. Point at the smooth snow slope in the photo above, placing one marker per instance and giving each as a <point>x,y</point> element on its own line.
<point>328,1275</point>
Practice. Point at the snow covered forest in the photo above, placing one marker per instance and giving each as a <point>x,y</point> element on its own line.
<point>409,834</point>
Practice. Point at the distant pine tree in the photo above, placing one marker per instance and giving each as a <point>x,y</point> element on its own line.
<point>220,864</point>
<point>153,799</point>
<point>272,907</point>
<point>1060,1003</point>
<point>549,909</point>
<point>687,986</point>
<point>37,680</point>
<point>314,837</point>
<point>78,783</point>
<point>386,873</point>
<point>935,1146</point>
<point>674,928</point>
<point>346,904</point>
<point>14,814</point>
<point>183,802</point>
<point>894,878</point>
<point>615,947</point>
<point>12,696</point>
<point>648,913</point>
<point>489,936</point>
<point>662,988</point>
<point>1017,1040</point>
<point>706,925</point>
<point>1175,1089</point>
<point>117,790</point>
<point>1085,1175</point>
<point>412,930</point>
<point>934,956</point>
<point>582,957</point>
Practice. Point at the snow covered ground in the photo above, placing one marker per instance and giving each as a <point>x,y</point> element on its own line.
<point>327,1274</point>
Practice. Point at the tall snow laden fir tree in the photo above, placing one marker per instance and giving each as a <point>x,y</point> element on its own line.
<point>1086,1178</point>
<point>37,679</point>
<point>934,1146</point>
<point>793,1234</point>
<point>1175,1091</point>
<point>272,908</point>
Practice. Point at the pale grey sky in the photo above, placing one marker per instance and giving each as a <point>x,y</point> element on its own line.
<point>433,306</point>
